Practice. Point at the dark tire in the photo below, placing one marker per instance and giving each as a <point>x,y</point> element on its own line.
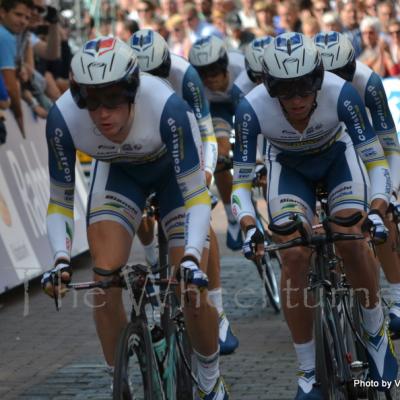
<point>184,384</point>
<point>267,274</point>
<point>330,361</point>
<point>134,364</point>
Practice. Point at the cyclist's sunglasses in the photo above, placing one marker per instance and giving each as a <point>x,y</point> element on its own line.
<point>111,102</point>
<point>289,88</point>
<point>209,71</point>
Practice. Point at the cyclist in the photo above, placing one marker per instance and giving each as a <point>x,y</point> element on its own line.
<point>155,58</point>
<point>141,135</point>
<point>218,69</point>
<point>301,111</point>
<point>252,76</point>
<point>338,57</point>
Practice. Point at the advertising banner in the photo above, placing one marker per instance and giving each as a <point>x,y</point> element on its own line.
<point>24,193</point>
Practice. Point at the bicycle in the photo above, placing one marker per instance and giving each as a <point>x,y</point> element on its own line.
<point>340,350</point>
<point>265,266</point>
<point>151,361</point>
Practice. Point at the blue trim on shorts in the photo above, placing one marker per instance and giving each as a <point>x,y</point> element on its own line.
<point>89,201</point>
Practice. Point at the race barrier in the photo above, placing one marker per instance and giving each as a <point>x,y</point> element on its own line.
<point>24,194</point>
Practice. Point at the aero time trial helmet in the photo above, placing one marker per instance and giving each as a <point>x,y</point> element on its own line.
<point>101,63</point>
<point>292,66</point>
<point>337,53</point>
<point>253,57</point>
<point>209,56</point>
<point>152,52</point>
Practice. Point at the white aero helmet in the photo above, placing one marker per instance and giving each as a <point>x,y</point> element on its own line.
<point>292,66</point>
<point>337,54</point>
<point>104,62</point>
<point>209,55</point>
<point>254,55</point>
<point>152,52</point>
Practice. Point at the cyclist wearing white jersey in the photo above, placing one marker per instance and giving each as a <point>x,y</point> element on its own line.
<point>338,57</point>
<point>253,75</point>
<point>218,69</point>
<point>155,58</point>
<point>141,135</point>
<point>300,110</point>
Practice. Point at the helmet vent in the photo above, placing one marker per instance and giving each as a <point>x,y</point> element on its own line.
<point>289,47</point>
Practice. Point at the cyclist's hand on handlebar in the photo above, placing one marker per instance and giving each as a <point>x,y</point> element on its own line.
<point>192,274</point>
<point>253,245</point>
<point>54,281</point>
<point>377,227</point>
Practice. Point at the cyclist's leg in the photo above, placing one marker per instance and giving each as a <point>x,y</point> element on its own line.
<point>287,192</point>
<point>113,216</point>
<point>145,234</point>
<point>388,255</point>
<point>228,342</point>
<point>347,184</point>
<point>200,317</point>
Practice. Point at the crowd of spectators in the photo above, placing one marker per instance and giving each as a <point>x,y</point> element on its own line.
<point>35,41</point>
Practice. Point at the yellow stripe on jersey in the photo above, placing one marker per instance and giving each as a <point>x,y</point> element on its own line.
<point>201,198</point>
<point>375,164</point>
<point>56,209</point>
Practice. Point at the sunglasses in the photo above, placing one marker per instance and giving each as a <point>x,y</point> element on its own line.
<point>210,71</point>
<point>300,87</point>
<point>108,102</point>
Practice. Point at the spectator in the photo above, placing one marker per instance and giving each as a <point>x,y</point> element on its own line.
<point>204,8</point>
<point>370,8</point>
<point>15,15</point>
<point>319,8</point>
<point>247,14</point>
<point>376,53</point>
<point>385,13</point>
<point>197,28</point>
<point>310,26</point>
<point>237,37</point>
<point>331,22</point>
<point>160,27</point>
<point>265,12</point>
<point>146,13</point>
<point>4,104</point>
<point>394,32</point>
<point>305,9</point>
<point>124,29</point>
<point>289,16</point>
<point>178,40</point>
<point>168,8</point>
<point>348,16</point>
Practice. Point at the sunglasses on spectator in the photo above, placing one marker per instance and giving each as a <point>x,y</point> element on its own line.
<point>143,10</point>
<point>40,10</point>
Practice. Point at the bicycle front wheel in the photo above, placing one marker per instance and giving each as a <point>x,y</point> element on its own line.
<point>134,364</point>
<point>267,274</point>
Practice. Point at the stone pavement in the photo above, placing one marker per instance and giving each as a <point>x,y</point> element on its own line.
<point>46,354</point>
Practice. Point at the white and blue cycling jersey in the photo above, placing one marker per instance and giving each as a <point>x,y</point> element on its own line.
<point>186,82</point>
<point>297,161</point>
<point>241,86</point>
<point>222,107</point>
<point>159,154</point>
<point>370,88</point>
